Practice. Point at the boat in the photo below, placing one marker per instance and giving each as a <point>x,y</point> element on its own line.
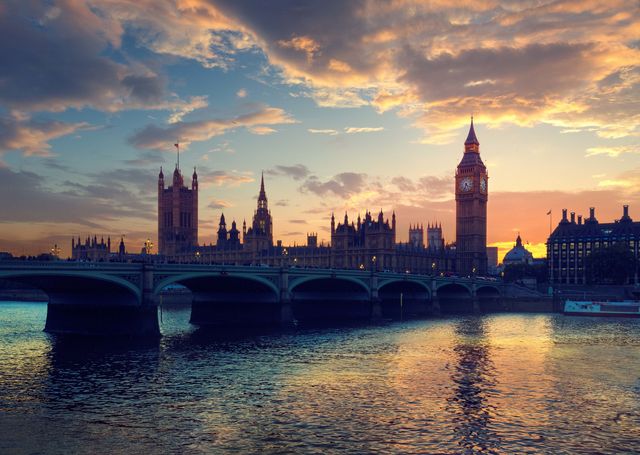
<point>624,308</point>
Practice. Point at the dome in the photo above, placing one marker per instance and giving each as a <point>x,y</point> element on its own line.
<point>518,254</point>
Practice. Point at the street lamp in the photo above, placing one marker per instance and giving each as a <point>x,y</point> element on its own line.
<point>433,268</point>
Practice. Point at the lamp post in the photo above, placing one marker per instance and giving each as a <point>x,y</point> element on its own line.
<point>433,268</point>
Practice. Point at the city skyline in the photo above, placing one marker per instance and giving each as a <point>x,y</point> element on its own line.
<point>346,107</point>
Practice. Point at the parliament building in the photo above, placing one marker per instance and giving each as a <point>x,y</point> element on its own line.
<point>368,243</point>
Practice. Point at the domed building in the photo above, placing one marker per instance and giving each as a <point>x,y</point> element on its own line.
<point>518,254</point>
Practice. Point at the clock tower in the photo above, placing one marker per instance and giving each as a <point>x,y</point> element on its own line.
<point>472,193</point>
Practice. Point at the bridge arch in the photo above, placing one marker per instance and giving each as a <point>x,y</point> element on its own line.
<point>404,298</point>
<point>53,282</point>
<point>193,276</point>
<point>455,297</point>
<point>222,299</point>
<point>319,299</point>
<point>91,302</point>
<point>489,298</point>
<point>294,283</point>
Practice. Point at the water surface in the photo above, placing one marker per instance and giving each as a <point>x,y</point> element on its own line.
<point>504,383</point>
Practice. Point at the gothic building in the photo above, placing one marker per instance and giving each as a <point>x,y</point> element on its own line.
<point>228,240</point>
<point>259,236</point>
<point>177,214</point>
<point>367,244</point>
<point>91,249</point>
<point>471,209</point>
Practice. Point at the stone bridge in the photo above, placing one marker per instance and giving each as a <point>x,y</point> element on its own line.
<point>114,298</point>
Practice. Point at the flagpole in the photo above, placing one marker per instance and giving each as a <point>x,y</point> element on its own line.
<point>550,221</point>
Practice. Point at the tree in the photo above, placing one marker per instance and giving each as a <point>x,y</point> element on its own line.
<point>516,272</point>
<point>614,264</point>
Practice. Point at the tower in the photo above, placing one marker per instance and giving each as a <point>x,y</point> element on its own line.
<point>434,236</point>
<point>177,213</point>
<point>416,236</point>
<point>260,235</point>
<point>472,193</point>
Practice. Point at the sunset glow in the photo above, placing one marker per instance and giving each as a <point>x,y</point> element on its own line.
<point>345,106</point>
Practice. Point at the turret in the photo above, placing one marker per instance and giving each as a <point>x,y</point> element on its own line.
<point>625,214</point>
<point>333,224</point>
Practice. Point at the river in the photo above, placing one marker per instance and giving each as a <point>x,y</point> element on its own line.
<point>499,383</point>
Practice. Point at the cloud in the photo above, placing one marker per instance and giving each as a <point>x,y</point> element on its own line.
<point>160,138</point>
<point>69,44</point>
<point>18,132</point>
<point>323,131</point>
<point>568,64</point>
<point>296,172</point>
<point>353,130</point>
<point>208,178</point>
<point>108,197</point>
<point>344,184</point>
<point>298,221</point>
<point>242,93</point>
<point>613,152</point>
<point>219,204</point>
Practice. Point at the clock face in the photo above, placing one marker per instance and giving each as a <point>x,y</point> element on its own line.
<point>483,185</point>
<point>466,184</point>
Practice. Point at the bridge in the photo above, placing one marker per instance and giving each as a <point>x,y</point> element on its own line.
<point>123,298</point>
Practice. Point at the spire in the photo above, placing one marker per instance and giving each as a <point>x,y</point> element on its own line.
<point>161,175</point>
<point>222,220</point>
<point>471,144</point>
<point>518,240</point>
<point>263,194</point>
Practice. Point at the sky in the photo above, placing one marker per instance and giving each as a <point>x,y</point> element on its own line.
<point>345,106</point>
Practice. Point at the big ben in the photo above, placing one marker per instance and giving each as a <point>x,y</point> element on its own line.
<point>472,193</point>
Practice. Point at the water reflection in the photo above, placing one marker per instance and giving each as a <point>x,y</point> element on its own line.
<point>474,379</point>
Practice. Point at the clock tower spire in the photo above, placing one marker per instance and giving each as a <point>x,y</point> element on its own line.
<point>472,193</point>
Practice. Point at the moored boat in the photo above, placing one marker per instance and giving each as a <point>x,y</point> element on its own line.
<point>625,308</point>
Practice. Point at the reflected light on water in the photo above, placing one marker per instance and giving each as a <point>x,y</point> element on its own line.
<point>492,384</point>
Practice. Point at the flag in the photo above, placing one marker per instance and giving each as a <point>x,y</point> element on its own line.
<point>177,145</point>
<point>549,212</point>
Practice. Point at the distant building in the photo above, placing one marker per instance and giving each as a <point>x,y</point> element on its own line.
<point>573,241</point>
<point>518,254</point>
<point>91,249</point>
<point>177,214</point>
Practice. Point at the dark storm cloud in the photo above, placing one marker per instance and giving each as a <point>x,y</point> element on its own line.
<point>296,172</point>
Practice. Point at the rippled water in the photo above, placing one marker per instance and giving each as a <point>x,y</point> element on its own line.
<point>507,383</point>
